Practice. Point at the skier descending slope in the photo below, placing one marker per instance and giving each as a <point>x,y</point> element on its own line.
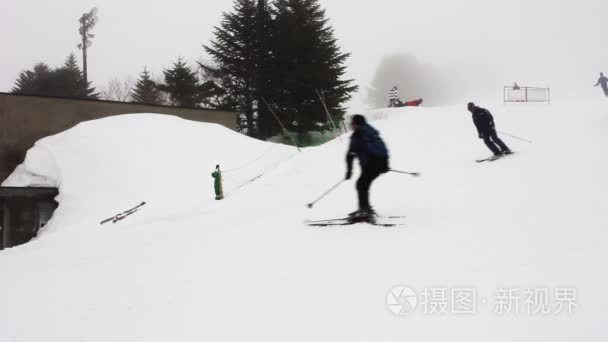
<point>603,81</point>
<point>368,147</point>
<point>484,121</point>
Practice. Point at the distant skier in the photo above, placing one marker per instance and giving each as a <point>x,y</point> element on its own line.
<point>393,97</point>
<point>603,81</point>
<point>484,121</point>
<point>516,86</point>
<point>219,189</point>
<point>366,144</point>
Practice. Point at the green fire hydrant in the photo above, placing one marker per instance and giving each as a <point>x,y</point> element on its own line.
<point>219,189</point>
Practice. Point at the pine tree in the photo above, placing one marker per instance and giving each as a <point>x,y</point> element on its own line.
<point>34,82</point>
<point>182,85</point>
<point>146,90</point>
<point>65,81</point>
<point>307,58</point>
<point>237,54</point>
<point>69,80</point>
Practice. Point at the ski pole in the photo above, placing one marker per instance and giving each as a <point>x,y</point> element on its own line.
<point>280,123</point>
<point>512,136</point>
<point>310,205</point>
<point>415,174</point>
<point>331,121</point>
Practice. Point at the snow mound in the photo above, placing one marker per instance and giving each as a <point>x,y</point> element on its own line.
<point>109,165</point>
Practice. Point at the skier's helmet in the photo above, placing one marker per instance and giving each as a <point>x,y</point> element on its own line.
<point>470,106</point>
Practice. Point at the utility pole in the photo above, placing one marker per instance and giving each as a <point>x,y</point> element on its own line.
<point>87,22</point>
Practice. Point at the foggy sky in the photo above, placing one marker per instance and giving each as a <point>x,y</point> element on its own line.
<point>534,42</point>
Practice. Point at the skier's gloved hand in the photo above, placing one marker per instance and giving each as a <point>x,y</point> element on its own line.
<point>384,167</point>
<point>349,174</point>
<point>349,164</point>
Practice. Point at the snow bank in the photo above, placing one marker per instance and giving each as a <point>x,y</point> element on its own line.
<point>105,166</point>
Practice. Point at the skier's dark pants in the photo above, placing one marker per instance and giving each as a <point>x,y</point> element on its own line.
<point>605,91</point>
<point>368,175</point>
<point>492,140</point>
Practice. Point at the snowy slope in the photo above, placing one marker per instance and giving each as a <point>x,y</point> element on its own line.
<point>247,269</point>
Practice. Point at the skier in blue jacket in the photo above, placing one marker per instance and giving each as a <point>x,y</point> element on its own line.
<point>368,147</point>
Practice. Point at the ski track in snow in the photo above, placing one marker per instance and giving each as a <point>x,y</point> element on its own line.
<point>187,268</point>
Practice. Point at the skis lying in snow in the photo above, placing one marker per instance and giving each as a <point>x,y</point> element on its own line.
<point>380,221</point>
<point>494,158</point>
<point>123,215</point>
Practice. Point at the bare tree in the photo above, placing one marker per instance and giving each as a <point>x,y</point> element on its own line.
<point>118,90</point>
<point>87,22</point>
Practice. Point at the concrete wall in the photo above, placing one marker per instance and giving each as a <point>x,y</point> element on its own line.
<point>23,211</point>
<point>26,119</point>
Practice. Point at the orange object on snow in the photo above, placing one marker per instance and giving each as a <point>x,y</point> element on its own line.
<point>412,103</point>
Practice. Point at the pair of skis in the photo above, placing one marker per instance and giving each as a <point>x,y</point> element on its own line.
<point>121,216</point>
<point>494,158</point>
<point>379,221</point>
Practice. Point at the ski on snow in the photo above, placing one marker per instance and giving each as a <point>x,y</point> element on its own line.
<point>494,158</point>
<point>379,221</point>
<point>123,215</point>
